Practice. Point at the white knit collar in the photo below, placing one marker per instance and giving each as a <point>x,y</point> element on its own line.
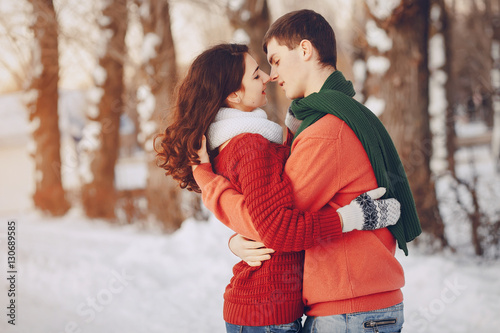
<point>231,122</point>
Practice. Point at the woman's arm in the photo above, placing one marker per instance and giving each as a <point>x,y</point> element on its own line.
<point>285,228</point>
<point>227,204</point>
<point>281,227</point>
<point>233,213</point>
<point>257,166</point>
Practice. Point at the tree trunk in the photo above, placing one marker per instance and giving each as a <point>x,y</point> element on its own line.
<point>451,135</point>
<point>160,73</point>
<point>49,195</point>
<point>442,87</point>
<point>359,50</point>
<point>404,89</point>
<point>487,92</point>
<point>495,141</point>
<point>253,17</point>
<point>99,195</point>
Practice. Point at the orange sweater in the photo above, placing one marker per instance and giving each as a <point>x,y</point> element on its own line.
<point>328,166</point>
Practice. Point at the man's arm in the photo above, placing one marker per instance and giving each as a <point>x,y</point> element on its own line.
<point>315,171</point>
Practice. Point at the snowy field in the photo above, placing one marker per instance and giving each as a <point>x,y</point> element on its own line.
<point>77,275</point>
<point>87,276</point>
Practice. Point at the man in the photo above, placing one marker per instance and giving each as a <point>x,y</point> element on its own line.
<point>339,151</point>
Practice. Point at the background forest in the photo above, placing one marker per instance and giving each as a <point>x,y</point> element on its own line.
<point>85,87</point>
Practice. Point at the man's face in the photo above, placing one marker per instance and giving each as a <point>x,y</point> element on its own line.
<point>286,68</point>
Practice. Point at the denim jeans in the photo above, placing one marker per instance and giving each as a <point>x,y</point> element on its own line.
<point>386,320</point>
<point>294,327</point>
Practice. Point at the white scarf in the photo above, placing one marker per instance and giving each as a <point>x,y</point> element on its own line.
<point>230,122</point>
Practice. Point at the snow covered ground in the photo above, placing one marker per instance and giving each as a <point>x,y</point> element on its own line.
<point>78,275</point>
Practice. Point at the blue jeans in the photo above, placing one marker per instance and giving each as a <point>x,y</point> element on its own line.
<point>294,327</point>
<point>386,320</point>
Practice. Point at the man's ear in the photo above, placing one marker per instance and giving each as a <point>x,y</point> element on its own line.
<point>306,49</point>
<point>233,98</point>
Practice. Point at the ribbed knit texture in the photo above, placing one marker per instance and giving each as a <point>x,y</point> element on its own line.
<point>270,294</point>
<point>335,97</point>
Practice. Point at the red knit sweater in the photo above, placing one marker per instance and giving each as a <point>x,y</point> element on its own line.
<point>272,293</point>
<point>328,166</point>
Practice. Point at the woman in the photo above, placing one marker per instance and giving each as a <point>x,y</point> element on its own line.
<point>220,98</point>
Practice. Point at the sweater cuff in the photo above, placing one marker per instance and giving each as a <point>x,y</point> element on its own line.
<point>229,244</point>
<point>204,174</point>
<point>330,227</point>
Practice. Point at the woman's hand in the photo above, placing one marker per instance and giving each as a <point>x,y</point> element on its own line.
<point>250,251</point>
<point>202,153</point>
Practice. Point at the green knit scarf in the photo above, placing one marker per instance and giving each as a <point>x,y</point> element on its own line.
<point>335,97</point>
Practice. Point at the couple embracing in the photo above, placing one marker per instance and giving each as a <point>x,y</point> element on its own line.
<point>313,233</point>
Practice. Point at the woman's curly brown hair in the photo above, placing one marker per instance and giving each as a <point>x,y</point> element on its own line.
<point>212,77</point>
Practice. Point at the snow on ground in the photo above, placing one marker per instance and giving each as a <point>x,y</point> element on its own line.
<point>79,275</point>
<point>446,293</point>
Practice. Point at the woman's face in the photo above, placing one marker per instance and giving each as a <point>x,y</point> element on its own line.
<point>252,93</point>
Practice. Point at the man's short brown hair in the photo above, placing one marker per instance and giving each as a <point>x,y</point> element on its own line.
<point>290,29</point>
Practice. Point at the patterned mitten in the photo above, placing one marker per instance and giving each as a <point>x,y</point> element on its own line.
<point>291,122</point>
<point>367,213</point>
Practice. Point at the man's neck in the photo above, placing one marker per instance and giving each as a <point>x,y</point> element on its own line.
<point>317,79</point>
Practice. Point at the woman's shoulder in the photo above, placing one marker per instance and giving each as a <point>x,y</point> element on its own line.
<point>249,141</point>
<point>247,152</point>
<point>254,145</point>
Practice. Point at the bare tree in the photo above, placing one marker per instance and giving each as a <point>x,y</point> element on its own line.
<point>495,23</point>
<point>16,42</point>
<point>98,192</point>
<point>254,19</point>
<point>469,192</point>
<point>473,63</point>
<point>398,86</point>
<point>442,88</point>
<point>49,195</point>
<point>159,71</point>
<point>447,20</point>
